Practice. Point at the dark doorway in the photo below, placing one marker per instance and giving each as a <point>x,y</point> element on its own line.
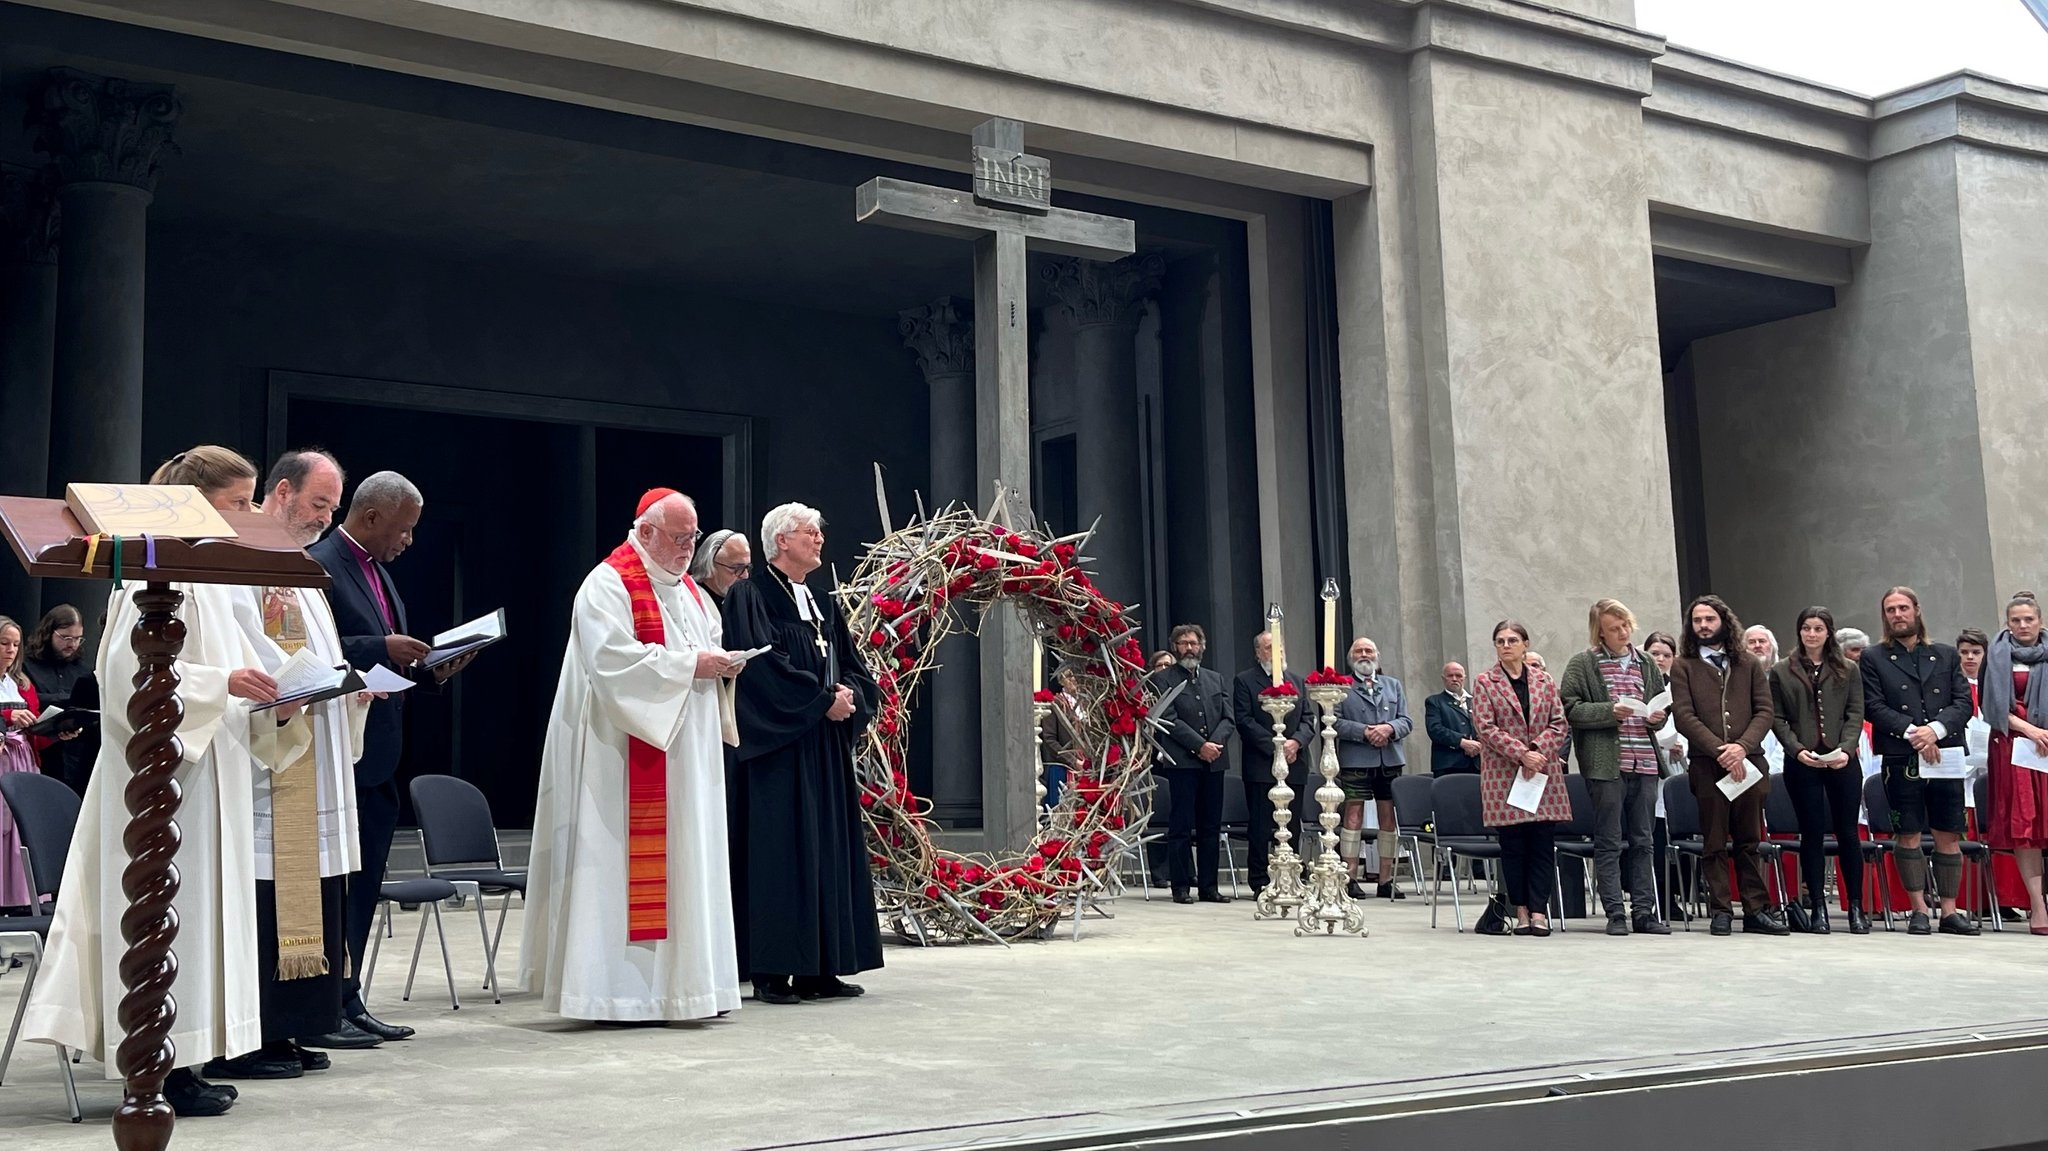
<point>516,512</point>
<point>1057,501</point>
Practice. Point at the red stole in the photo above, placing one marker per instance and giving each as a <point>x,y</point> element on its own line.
<point>646,774</point>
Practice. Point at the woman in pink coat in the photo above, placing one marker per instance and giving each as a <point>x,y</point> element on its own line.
<point>1521,730</point>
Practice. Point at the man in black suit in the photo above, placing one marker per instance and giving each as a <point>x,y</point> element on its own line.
<point>1918,703</point>
<point>1447,716</point>
<point>1192,761</point>
<point>370,615</point>
<point>1255,724</point>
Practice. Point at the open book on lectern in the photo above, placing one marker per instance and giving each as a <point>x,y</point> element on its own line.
<point>477,634</point>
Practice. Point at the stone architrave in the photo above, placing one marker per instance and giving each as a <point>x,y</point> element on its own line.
<point>1009,211</point>
<point>28,319</point>
<point>942,335</point>
<point>1104,303</point>
<point>106,139</point>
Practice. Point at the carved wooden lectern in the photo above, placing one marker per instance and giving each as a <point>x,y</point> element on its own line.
<point>48,540</point>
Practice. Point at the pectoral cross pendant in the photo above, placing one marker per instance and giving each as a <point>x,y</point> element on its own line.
<point>821,645</point>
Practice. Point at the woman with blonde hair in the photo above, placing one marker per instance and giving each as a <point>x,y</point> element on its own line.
<point>18,709</point>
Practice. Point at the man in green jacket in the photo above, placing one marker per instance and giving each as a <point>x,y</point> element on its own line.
<point>1607,690</point>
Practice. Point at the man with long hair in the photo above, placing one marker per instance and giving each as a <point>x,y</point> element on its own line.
<point>1918,703</point>
<point>1721,699</point>
<point>58,665</point>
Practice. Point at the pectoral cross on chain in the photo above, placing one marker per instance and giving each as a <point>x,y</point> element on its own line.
<point>822,646</point>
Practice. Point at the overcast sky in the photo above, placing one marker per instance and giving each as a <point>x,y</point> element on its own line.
<point>1866,46</point>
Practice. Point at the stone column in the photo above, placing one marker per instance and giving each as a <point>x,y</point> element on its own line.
<point>106,138</point>
<point>1104,303</point>
<point>28,317</point>
<point>942,335</point>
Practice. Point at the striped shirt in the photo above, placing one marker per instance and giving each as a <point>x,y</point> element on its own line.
<point>1624,677</point>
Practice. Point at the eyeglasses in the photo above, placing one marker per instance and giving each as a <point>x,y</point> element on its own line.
<point>684,541</point>
<point>739,570</point>
<point>1507,641</point>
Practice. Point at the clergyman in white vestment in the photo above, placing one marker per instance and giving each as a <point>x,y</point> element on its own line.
<point>578,948</point>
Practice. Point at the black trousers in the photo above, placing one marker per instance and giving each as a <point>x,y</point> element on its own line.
<point>301,1008</point>
<point>1827,800</point>
<point>1196,820</point>
<point>377,816</point>
<point>1528,864</point>
<point>1260,825</point>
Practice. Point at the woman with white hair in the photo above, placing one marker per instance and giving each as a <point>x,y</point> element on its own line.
<point>803,904</point>
<point>723,559</point>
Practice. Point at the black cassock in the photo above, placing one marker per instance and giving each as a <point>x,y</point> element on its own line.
<point>802,900</point>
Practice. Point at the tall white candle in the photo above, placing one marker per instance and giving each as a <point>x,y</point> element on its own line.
<point>1279,651</point>
<point>1037,665</point>
<point>1329,633</point>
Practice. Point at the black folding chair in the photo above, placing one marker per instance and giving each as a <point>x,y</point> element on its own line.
<point>428,895</point>
<point>1460,831</point>
<point>45,814</point>
<point>1685,841</point>
<point>1877,815</point>
<point>1781,826</point>
<point>1236,825</point>
<point>1413,820</point>
<point>461,846</point>
<point>1980,787</point>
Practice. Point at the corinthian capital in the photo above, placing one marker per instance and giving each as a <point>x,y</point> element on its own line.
<point>104,130</point>
<point>1092,292</point>
<point>942,335</point>
<point>28,215</point>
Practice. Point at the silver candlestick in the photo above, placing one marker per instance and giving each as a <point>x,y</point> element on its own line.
<point>1283,891</point>
<point>1328,907</point>
<point>1039,711</point>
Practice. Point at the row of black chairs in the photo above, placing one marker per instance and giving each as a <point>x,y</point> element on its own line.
<point>457,837</point>
<point>1445,812</point>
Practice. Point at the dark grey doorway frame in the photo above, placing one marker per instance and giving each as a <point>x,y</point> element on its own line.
<point>735,433</point>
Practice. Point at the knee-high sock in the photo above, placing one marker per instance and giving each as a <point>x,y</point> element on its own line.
<point>1912,868</point>
<point>1350,843</point>
<point>1948,878</point>
<point>1390,855</point>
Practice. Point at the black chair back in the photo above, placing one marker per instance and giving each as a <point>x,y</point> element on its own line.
<point>1412,801</point>
<point>1681,809</point>
<point>1781,816</point>
<point>45,814</point>
<point>1877,806</point>
<point>1236,809</point>
<point>1454,799</point>
<point>455,821</point>
<point>1583,823</point>
<point>1980,787</point>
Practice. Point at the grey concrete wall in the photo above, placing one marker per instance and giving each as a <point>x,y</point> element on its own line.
<point>2005,281</point>
<point>1540,346</point>
<point>1704,170</point>
<point>1840,450</point>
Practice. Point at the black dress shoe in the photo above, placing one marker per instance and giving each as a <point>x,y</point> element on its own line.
<point>1356,890</point>
<point>775,989</point>
<point>1211,895</point>
<point>1617,925</point>
<point>1817,918</point>
<point>826,987</point>
<point>191,1099</point>
<point>1390,891</point>
<point>1651,925</point>
<point>347,1037</point>
<point>227,1089</point>
<point>1182,895</point>
<point>1919,924</point>
<point>1859,923</point>
<point>1959,924</point>
<point>364,1021</point>
<point>263,1064</point>
<point>313,1060</point>
<point>1723,923</point>
<point>1765,922</point>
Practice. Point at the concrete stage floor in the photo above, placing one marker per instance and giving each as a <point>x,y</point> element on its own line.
<point>1165,1012</point>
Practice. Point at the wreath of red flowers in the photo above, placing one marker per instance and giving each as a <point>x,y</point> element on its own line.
<point>931,579</point>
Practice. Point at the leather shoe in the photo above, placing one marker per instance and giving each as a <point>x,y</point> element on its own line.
<point>1355,889</point>
<point>313,1060</point>
<point>1957,923</point>
<point>1723,923</point>
<point>1390,891</point>
<point>1211,895</point>
<point>1650,925</point>
<point>775,990</point>
<point>1616,925</point>
<point>192,1098</point>
<point>347,1037</point>
<point>1859,923</point>
<point>1765,922</point>
<point>827,987</point>
<point>1182,895</point>
<point>1918,924</point>
<point>264,1064</point>
<point>364,1021</point>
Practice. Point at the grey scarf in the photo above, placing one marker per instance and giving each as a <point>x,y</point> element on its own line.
<point>1994,690</point>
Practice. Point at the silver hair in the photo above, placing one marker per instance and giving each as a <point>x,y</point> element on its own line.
<point>707,552</point>
<point>387,491</point>
<point>783,518</point>
<point>1852,637</point>
<point>1768,635</point>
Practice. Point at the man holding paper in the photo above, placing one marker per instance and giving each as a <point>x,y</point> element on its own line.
<point>1721,701</point>
<point>629,898</point>
<point>370,615</point>
<point>1918,703</point>
<point>1614,698</point>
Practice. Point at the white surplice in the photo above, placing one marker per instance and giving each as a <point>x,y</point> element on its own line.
<point>79,991</point>
<point>575,951</point>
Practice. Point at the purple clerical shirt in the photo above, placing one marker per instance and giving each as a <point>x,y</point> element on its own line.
<point>370,576</point>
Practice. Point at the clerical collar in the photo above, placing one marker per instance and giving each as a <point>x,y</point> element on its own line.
<point>806,607</point>
<point>655,571</point>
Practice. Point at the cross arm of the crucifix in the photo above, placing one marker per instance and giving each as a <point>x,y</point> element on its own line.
<point>948,212</point>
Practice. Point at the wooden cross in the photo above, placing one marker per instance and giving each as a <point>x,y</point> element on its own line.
<point>1009,211</point>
